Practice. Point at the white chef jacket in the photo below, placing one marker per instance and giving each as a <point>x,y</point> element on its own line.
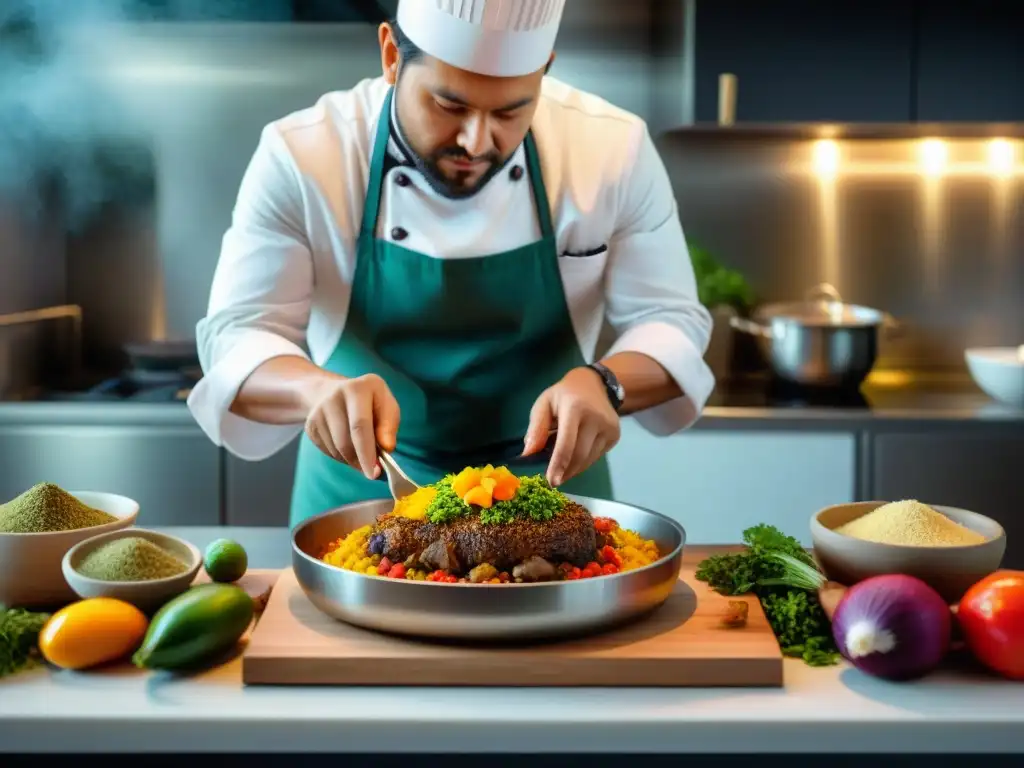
<point>283,281</point>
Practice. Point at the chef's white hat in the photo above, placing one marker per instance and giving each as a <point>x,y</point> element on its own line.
<point>501,38</point>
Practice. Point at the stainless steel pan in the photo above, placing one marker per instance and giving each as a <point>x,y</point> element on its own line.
<point>483,611</point>
<point>820,341</point>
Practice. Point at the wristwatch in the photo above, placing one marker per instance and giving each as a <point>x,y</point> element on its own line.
<point>616,394</point>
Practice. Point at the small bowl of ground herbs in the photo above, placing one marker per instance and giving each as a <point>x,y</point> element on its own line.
<point>39,526</point>
<point>142,567</point>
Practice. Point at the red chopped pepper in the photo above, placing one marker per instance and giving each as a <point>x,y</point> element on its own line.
<point>383,567</point>
<point>609,555</point>
<point>604,524</point>
<point>609,568</point>
<point>397,571</point>
<point>504,578</point>
<point>450,579</point>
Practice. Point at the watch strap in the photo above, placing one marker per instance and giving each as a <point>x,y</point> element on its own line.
<point>616,395</point>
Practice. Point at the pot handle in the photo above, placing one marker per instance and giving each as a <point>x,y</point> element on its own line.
<point>891,325</point>
<point>748,326</point>
<point>824,291</point>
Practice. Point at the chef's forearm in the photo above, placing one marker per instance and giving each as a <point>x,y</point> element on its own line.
<point>646,383</point>
<point>282,390</point>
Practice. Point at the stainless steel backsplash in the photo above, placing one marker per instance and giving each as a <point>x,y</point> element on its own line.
<point>166,116</point>
<point>929,230</point>
<point>177,110</point>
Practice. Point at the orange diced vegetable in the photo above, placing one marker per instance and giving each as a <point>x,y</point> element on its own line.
<point>506,487</point>
<point>479,496</point>
<point>465,481</point>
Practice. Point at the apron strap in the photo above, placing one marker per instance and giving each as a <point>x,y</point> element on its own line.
<point>540,195</point>
<point>371,208</point>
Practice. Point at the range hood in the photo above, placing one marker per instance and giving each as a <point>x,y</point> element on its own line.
<point>303,11</point>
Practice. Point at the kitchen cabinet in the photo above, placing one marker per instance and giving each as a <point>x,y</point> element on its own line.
<point>969,61</point>
<point>980,472</point>
<point>806,60</point>
<point>716,484</point>
<point>259,492</point>
<point>173,472</point>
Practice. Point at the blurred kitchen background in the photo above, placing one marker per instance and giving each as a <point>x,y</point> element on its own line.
<point>877,147</point>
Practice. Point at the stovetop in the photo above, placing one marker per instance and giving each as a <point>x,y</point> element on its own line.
<point>131,386</point>
<point>772,393</point>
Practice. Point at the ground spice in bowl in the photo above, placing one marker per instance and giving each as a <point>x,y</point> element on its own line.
<point>45,508</point>
<point>131,558</point>
<point>911,524</point>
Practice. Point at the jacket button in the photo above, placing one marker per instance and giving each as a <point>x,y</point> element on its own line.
<point>516,173</point>
<point>398,233</point>
<point>402,180</point>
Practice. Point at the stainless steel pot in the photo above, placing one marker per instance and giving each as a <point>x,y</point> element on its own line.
<point>820,341</point>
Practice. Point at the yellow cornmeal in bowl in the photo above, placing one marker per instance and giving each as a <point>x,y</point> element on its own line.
<point>910,524</point>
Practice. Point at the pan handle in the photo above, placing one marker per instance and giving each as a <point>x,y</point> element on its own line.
<point>748,326</point>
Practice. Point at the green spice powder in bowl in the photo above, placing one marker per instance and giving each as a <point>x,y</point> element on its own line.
<point>141,567</point>
<point>38,527</point>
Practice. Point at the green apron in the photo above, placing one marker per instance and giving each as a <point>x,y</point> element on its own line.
<point>466,346</point>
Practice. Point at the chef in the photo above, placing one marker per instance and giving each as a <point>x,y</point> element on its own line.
<point>425,263</point>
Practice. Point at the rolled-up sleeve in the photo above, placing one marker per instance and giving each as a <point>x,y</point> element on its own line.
<point>651,292</point>
<point>259,303</point>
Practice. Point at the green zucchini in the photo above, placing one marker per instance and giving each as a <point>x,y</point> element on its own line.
<point>194,627</point>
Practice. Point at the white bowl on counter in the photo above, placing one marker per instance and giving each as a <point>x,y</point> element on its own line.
<point>999,372</point>
<point>30,563</point>
<point>145,595</point>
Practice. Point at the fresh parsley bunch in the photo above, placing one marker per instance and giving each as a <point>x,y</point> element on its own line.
<point>784,577</point>
<point>19,634</point>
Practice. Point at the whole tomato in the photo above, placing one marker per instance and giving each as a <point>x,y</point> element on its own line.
<point>991,615</point>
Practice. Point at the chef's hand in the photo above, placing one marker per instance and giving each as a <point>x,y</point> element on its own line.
<point>588,426</point>
<point>349,418</point>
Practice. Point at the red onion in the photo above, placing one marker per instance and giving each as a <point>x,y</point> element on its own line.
<point>894,626</point>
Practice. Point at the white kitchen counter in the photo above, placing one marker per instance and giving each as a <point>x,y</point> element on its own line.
<point>819,710</point>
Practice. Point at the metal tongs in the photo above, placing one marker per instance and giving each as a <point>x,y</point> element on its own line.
<point>400,484</point>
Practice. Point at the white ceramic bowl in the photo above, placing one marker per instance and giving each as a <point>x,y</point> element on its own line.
<point>999,371</point>
<point>145,595</point>
<point>30,563</point>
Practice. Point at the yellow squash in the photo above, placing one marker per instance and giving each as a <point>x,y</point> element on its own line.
<point>92,632</point>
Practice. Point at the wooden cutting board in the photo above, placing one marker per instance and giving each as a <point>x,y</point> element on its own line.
<point>683,643</point>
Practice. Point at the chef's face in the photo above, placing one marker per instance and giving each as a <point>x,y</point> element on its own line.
<point>463,126</point>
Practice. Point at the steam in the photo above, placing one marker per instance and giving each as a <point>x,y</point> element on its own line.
<point>59,123</point>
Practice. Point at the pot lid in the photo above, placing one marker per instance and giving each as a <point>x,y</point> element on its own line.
<point>823,306</point>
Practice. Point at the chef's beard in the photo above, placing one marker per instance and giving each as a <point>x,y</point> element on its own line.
<point>454,188</point>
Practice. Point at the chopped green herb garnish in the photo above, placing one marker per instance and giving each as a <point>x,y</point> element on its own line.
<point>535,500</point>
<point>446,505</point>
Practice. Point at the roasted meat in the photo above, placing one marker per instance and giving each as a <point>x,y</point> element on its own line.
<point>569,537</point>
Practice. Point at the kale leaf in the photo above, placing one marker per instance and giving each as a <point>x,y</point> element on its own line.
<point>783,575</point>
